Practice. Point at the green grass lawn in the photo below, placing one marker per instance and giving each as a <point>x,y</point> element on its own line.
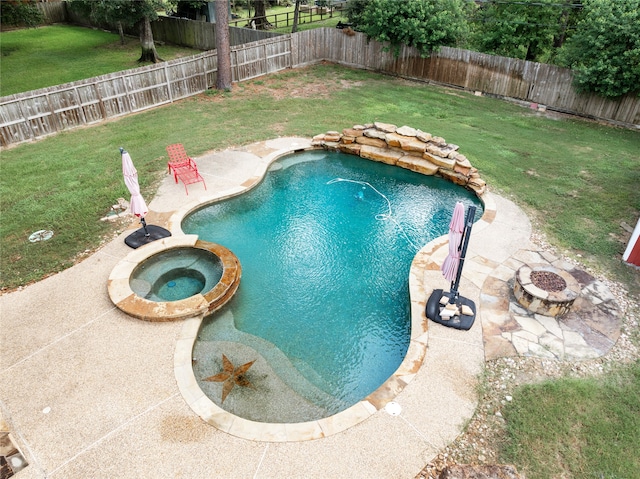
<point>330,22</point>
<point>587,428</point>
<point>63,53</point>
<point>281,27</point>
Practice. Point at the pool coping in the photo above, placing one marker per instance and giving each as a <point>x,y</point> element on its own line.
<point>225,421</point>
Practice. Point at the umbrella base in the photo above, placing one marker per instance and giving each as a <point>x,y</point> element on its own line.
<point>460,321</point>
<point>142,237</point>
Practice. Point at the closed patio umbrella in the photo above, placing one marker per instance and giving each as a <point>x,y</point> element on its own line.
<point>460,311</point>
<point>138,206</point>
<point>450,265</point>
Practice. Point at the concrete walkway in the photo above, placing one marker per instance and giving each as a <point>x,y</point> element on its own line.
<point>88,391</point>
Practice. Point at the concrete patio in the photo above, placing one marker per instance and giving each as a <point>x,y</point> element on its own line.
<point>88,391</point>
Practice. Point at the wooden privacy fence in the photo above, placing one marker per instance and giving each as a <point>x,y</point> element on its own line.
<point>177,31</point>
<point>35,114</point>
<point>505,77</point>
<point>38,113</point>
<point>202,35</point>
<point>54,12</point>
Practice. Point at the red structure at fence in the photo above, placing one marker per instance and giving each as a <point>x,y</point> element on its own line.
<point>632,253</point>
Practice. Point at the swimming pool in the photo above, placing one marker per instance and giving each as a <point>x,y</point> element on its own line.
<point>325,242</point>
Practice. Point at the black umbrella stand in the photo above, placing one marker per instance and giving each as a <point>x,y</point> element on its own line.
<point>145,235</point>
<point>436,306</point>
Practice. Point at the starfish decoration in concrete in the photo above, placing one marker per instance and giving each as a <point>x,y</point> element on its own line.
<point>230,376</point>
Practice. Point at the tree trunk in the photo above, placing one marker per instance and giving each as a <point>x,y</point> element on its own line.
<point>260,16</point>
<point>530,55</point>
<point>558,39</point>
<point>149,53</point>
<point>121,33</point>
<point>296,12</point>
<point>223,80</point>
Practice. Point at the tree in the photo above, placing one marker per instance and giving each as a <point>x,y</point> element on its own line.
<point>604,53</point>
<point>191,9</point>
<point>21,12</point>
<point>354,11</point>
<point>296,14</point>
<point>138,13</point>
<point>223,79</point>
<point>424,24</point>
<point>260,15</point>
<point>567,25</point>
<point>149,53</point>
<point>527,29</point>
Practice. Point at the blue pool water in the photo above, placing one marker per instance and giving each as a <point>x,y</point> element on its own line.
<point>176,274</point>
<point>325,243</point>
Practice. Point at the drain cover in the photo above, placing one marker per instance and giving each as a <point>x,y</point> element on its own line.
<point>42,235</point>
<point>393,408</point>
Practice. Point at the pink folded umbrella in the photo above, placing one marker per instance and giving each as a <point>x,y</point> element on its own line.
<point>450,265</point>
<point>463,314</point>
<point>138,207</point>
<point>137,204</point>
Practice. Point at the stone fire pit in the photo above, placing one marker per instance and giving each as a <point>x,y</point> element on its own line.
<point>545,289</point>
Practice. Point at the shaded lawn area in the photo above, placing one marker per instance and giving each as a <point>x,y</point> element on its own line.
<point>64,53</point>
<point>578,179</point>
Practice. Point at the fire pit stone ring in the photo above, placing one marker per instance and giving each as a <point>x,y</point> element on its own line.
<point>546,290</point>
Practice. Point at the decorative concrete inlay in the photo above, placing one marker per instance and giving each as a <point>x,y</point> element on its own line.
<point>588,329</point>
<point>127,300</point>
<point>545,290</point>
<point>387,392</point>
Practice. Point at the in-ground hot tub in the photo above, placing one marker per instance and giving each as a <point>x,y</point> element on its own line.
<point>174,278</point>
<point>176,273</point>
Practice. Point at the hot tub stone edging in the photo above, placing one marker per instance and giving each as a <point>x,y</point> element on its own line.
<point>128,301</point>
<point>406,147</point>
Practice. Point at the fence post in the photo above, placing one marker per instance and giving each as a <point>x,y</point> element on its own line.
<point>84,119</point>
<point>295,54</point>
<point>202,65</point>
<point>53,115</point>
<point>236,64</point>
<point>28,122</point>
<point>266,60</point>
<point>103,110</point>
<point>166,75</point>
<point>126,94</point>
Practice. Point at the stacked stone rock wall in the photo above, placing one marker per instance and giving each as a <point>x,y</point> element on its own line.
<point>405,147</point>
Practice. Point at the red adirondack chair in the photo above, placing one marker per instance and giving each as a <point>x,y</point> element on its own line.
<point>183,167</point>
